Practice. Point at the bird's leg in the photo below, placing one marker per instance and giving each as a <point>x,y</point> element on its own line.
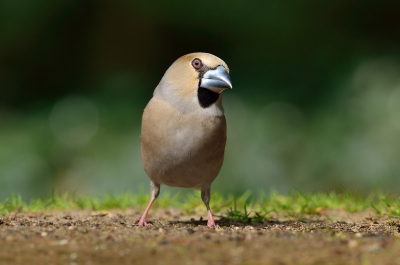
<point>205,196</point>
<point>154,192</point>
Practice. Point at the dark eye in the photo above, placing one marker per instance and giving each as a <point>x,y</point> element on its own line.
<point>196,63</point>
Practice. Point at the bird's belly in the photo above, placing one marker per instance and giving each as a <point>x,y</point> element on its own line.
<point>187,163</point>
<point>185,156</point>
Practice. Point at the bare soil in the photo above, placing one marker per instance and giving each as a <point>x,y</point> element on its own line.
<point>86,237</point>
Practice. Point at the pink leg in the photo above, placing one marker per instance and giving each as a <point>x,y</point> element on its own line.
<point>205,196</point>
<point>210,222</point>
<point>143,220</point>
<point>155,191</point>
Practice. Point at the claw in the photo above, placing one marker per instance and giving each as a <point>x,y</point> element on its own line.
<point>211,223</point>
<point>144,223</point>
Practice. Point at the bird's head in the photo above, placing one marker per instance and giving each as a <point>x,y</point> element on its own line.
<point>195,77</point>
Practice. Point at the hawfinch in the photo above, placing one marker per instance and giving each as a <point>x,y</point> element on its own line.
<point>183,131</point>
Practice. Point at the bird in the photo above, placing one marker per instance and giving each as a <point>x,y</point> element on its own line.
<point>183,132</point>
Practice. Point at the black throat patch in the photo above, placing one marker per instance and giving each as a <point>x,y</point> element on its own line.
<point>206,97</point>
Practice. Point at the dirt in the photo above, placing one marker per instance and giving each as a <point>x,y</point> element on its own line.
<point>86,237</point>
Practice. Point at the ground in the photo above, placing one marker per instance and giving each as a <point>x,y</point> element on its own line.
<point>111,237</point>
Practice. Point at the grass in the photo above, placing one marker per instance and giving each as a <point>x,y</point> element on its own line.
<point>389,205</point>
<point>245,208</point>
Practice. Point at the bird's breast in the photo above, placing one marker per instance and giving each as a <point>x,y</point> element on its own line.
<point>181,149</point>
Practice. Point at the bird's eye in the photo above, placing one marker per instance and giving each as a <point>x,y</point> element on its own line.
<point>196,63</point>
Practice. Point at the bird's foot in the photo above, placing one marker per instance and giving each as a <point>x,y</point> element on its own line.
<point>211,223</point>
<point>144,222</point>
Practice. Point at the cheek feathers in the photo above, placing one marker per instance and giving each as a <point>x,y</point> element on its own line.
<point>184,80</point>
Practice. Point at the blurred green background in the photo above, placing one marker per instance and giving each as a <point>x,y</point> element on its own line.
<point>315,104</point>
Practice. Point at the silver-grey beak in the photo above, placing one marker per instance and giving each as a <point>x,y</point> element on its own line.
<point>216,80</point>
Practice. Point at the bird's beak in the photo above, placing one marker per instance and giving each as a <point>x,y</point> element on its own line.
<point>216,80</point>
